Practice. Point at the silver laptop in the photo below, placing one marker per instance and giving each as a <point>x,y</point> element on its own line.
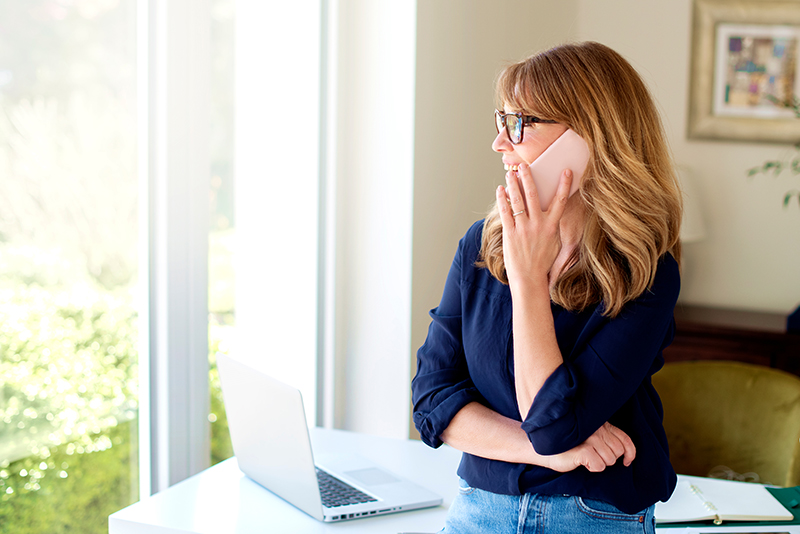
<point>270,440</point>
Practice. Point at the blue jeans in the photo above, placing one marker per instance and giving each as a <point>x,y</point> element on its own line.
<point>476,511</point>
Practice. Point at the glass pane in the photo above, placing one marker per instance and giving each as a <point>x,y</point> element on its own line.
<point>68,264</point>
<point>220,272</point>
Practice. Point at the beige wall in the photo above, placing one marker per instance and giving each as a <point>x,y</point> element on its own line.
<point>751,255</point>
<point>461,47</point>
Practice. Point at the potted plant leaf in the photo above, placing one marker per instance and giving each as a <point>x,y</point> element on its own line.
<point>776,167</point>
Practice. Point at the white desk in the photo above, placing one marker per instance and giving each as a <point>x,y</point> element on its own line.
<point>222,500</point>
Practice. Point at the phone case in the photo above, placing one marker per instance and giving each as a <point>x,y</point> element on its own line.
<point>569,151</point>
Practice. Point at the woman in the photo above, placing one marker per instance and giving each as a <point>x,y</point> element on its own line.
<point>538,360</point>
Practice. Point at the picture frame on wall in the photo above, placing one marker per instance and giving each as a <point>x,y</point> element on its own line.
<point>745,70</point>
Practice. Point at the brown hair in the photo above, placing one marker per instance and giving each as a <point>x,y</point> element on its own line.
<point>630,190</point>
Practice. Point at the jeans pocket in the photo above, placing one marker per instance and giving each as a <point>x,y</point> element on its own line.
<point>604,510</point>
<point>464,488</point>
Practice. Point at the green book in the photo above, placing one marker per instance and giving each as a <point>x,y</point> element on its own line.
<point>697,501</point>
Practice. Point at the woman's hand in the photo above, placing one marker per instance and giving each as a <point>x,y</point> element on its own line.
<point>602,449</point>
<point>531,237</point>
<point>531,245</point>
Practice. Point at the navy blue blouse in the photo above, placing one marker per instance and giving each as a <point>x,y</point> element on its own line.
<point>468,356</point>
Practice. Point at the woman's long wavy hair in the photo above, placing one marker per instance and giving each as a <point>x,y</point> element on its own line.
<point>632,199</point>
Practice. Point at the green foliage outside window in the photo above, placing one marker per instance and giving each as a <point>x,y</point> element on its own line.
<point>70,491</point>
<point>68,261</point>
<point>68,408</point>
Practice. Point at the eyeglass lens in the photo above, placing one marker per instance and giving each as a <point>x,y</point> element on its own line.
<point>512,124</point>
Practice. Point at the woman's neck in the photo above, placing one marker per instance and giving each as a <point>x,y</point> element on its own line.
<point>571,230</point>
<point>572,223</point>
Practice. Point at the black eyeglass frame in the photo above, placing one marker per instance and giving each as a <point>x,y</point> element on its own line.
<point>500,119</point>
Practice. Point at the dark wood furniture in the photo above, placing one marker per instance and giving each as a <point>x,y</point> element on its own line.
<point>705,333</point>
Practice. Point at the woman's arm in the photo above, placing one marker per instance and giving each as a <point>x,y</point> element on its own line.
<point>531,245</point>
<point>608,365</point>
<point>442,385</point>
<point>536,352</point>
<point>483,432</point>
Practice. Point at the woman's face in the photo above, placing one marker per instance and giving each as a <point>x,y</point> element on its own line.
<point>536,138</point>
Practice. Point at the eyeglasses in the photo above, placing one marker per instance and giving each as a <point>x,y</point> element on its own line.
<point>514,124</point>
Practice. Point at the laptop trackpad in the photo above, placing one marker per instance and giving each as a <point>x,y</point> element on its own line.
<point>371,476</point>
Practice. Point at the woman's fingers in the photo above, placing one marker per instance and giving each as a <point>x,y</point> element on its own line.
<point>600,450</point>
<point>591,459</point>
<point>502,205</point>
<point>531,237</point>
<point>559,202</point>
<point>530,194</point>
<point>515,194</point>
<point>594,462</point>
<point>628,448</point>
<point>610,443</point>
<point>606,453</point>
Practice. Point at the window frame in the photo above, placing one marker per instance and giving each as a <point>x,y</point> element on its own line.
<point>174,174</point>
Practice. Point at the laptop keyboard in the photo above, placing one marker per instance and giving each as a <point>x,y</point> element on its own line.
<point>337,493</point>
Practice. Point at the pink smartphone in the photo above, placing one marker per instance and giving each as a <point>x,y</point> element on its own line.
<point>569,151</point>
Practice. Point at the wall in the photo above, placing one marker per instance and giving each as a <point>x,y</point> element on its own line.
<point>750,258</point>
<point>461,47</point>
<point>372,162</point>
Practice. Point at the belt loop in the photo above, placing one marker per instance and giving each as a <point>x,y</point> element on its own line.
<point>523,512</point>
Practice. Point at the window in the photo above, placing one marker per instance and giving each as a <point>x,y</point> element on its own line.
<point>277,194</point>
<point>103,142</point>
<point>221,277</point>
<point>68,264</point>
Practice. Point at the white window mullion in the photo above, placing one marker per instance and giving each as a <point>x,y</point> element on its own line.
<point>374,157</point>
<point>277,192</point>
<point>326,325</point>
<point>174,160</point>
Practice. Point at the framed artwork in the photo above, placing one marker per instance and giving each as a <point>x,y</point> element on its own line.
<point>744,75</point>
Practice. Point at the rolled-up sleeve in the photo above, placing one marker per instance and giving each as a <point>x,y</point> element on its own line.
<point>612,359</point>
<point>442,385</point>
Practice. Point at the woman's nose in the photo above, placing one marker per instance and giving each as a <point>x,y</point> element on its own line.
<point>501,142</point>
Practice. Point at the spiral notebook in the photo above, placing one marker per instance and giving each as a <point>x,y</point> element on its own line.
<point>710,499</point>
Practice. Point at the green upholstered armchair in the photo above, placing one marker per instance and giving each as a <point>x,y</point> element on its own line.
<point>742,416</point>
